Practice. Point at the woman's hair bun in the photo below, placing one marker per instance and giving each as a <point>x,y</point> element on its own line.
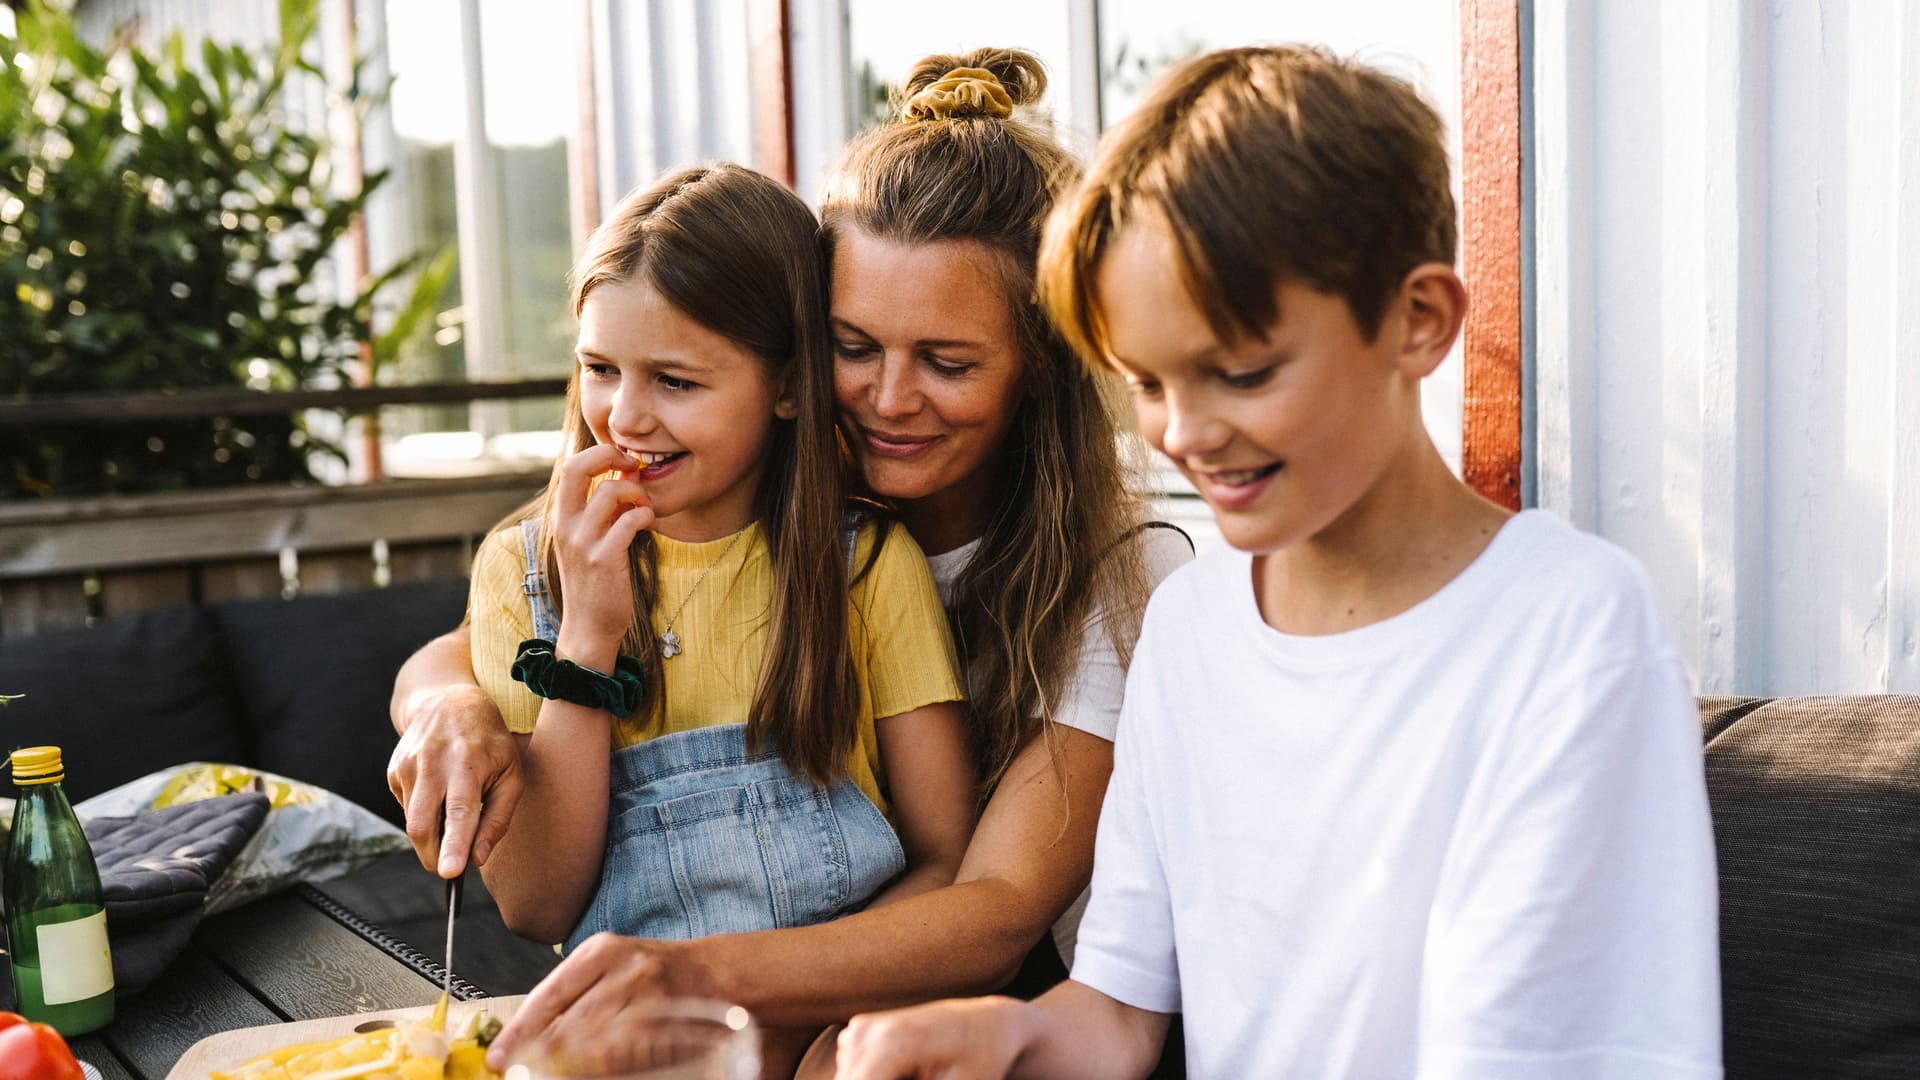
<point>949,86</point>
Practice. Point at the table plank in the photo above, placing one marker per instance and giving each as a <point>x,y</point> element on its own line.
<point>408,903</point>
<point>94,1051</point>
<point>193,999</point>
<point>306,965</point>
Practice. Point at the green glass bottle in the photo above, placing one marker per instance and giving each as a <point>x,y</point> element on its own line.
<point>62,972</point>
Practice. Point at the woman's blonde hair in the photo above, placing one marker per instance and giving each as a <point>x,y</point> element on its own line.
<point>736,252</point>
<point>1060,545</point>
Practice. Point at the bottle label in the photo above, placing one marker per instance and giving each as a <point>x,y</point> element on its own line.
<point>74,962</point>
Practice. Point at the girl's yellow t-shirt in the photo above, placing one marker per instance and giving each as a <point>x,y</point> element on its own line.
<point>902,647</point>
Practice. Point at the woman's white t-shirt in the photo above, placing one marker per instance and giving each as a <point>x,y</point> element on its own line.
<point>1091,701</point>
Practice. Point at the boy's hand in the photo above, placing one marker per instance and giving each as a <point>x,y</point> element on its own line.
<point>593,525</point>
<point>970,1039</point>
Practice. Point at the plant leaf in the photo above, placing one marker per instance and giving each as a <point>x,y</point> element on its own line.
<point>414,316</point>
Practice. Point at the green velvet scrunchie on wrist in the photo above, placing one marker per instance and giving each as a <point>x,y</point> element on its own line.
<point>563,680</point>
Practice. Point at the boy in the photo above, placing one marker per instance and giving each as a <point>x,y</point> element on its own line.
<point>1406,786</point>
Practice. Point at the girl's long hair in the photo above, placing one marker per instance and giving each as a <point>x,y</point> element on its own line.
<point>1061,545</point>
<point>737,253</point>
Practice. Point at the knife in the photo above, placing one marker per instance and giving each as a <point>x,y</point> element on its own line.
<point>453,909</point>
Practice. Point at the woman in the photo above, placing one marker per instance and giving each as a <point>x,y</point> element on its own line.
<point>999,454</point>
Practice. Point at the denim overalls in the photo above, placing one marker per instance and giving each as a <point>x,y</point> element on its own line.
<point>706,838</point>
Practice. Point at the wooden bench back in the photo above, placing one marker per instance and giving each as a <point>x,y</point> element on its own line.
<point>66,562</point>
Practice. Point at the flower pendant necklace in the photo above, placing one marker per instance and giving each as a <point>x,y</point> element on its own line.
<point>670,641</point>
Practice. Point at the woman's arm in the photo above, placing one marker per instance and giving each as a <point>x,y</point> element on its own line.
<point>456,767</point>
<point>1031,854</point>
<point>440,669</point>
<point>930,775</point>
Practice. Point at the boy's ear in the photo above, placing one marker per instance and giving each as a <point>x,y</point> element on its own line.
<point>1435,302</point>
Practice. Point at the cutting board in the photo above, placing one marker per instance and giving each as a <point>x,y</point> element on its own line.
<point>230,1048</point>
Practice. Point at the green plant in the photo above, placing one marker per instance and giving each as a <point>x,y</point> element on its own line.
<point>164,228</point>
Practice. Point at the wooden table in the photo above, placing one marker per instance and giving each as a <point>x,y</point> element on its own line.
<point>295,956</point>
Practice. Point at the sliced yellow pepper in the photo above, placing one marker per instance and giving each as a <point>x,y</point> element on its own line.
<point>469,1062</point>
<point>375,1055</point>
<point>422,1069</point>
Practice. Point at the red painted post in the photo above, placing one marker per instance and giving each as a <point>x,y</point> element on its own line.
<point>1490,245</point>
<point>771,65</point>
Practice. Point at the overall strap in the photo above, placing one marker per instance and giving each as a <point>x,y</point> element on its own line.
<point>534,583</point>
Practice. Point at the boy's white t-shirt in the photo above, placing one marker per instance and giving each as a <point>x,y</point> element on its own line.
<point>1090,700</point>
<point>1468,841</point>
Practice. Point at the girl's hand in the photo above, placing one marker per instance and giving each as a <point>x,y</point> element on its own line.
<point>965,1039</point>
<point>578,1004</point>
<point>593,526</point>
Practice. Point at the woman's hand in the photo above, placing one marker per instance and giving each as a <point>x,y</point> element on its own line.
<point>579,1004</point>
<point>967,1039</point>
<point>456,771</point>
<point>593,526</point>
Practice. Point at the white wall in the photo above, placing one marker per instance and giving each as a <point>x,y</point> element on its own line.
<point>1727,241</point>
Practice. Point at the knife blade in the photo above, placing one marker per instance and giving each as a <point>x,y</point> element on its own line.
<point>453,909</point>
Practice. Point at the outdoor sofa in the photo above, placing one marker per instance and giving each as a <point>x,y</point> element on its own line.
<point>1816,801</point>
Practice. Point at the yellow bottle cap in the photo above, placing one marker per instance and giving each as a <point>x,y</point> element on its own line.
<point>37,765</point>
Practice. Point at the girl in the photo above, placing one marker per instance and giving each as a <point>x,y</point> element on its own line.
<point>680,595</point>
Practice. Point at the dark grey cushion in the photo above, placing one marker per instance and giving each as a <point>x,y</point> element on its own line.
<point>314,676</point>
<point>1816,807</point>
<point>122,698</point>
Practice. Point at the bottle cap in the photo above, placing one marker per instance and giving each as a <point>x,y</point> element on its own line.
<point>37,765</point>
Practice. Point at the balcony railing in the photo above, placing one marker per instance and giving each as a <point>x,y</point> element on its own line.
<point>70,561</point>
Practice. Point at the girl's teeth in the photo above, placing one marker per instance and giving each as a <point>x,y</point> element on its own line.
<point>1245,476</point>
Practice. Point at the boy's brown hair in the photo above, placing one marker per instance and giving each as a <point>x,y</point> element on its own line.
<point>1266,165</point>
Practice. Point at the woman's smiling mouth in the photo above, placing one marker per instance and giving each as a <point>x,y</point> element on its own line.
<point>887,444</point>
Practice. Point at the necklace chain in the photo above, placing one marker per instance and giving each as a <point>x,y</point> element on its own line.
<point>670,641</point>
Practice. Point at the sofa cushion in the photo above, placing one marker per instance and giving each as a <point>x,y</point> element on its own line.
<point>123,697</point>
<point>315,675</point>
<point>1816,807</point>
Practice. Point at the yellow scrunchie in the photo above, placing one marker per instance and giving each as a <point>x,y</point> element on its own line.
<point>960,92</point>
